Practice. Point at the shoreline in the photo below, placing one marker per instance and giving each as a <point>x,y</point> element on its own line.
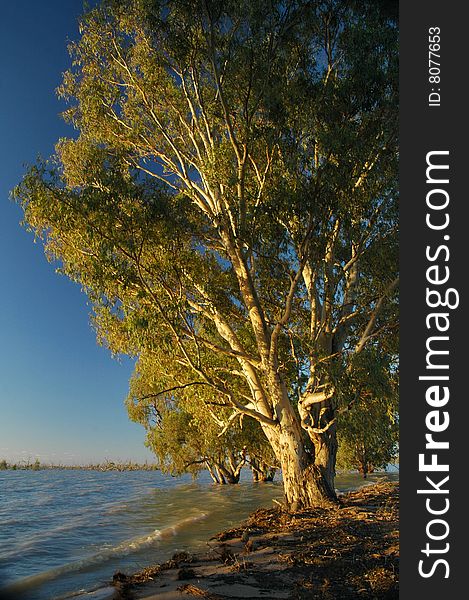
<point>346,552</point>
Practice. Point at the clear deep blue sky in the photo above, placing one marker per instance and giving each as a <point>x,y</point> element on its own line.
<point>61,395</point>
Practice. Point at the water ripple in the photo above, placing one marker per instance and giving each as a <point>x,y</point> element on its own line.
<point>65,530</point>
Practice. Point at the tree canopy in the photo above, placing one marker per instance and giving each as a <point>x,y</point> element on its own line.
<point>230,202</point>
<point>189,429</point>
<point>368,431</point>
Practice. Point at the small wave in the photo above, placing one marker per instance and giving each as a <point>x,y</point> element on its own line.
<point>36,539</point>
<point>44,499</point>
<point>98,591</point>
<point>97,489</point>
<point>46,515</point>
<point>115,508</point>
<point>120,550</point>
<point>10,521</point>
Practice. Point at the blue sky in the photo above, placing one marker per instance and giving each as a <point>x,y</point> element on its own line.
<point>61,395</point>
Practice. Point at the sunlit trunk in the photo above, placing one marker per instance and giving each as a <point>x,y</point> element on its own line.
<point>308,469</point>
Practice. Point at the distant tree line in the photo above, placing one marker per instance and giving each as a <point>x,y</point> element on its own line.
<point>107,465</point>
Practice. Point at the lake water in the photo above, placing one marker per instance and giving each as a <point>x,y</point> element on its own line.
<point>66,530</point>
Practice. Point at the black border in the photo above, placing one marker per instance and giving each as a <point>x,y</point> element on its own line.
<point>424,128</point>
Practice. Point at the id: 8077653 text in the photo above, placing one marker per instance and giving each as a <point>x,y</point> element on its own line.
<point>434,66</point>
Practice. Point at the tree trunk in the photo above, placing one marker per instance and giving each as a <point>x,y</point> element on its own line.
<point>269,475</point>
<point>255,475</point>
<point>308,481</point>
<point>221,479</point>
<point>363,469</point>
<point>212,473</point>
<point>226,475</point>
<point>308,470</point>
<point>261,471</point>
<point>325,452</point>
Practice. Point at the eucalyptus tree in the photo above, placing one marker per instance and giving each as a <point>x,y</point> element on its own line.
<point>368,432</point>
<point>368,437</point>
<point>186,425</point>
<point>230,197</point>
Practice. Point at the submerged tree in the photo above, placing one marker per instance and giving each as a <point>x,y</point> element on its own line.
<point>187,427</point>
<point>368,439</point>
<point>231,200</point>
<point>368,431</point>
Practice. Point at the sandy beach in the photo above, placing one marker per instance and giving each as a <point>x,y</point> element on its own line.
<point>347,552</point>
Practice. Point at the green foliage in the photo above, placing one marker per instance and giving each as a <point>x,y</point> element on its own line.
<point>185,421</point>
<point>229,205</point>
<point>369,426</point>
